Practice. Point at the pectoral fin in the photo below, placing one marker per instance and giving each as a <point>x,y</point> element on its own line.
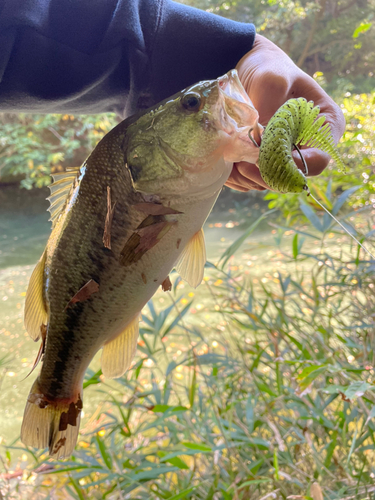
<point>190,265</point>
<point>119,352</point>
<point>35,309</point>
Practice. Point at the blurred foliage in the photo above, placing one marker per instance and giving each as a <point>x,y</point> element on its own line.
<point>335,37</point>
<point>259,388</point>
<point>34,146</point>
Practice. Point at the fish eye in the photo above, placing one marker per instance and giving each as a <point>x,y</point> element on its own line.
<point>191,101</point>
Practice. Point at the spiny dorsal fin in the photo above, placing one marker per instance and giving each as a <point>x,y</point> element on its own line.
<point>35,309</point>
<point>60,189</point>
<point>119,352</point>
<point>190,265</point>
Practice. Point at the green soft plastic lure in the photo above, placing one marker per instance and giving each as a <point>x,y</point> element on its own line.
<point>295,123</point>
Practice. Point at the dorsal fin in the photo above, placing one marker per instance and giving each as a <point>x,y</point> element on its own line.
<point>60,188</point>
<point>190,265</point>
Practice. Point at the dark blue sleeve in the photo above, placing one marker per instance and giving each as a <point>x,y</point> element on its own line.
<point>92,56</point>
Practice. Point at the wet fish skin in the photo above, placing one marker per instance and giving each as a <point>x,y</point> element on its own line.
<point>169,156</point>
<point>79,256</point>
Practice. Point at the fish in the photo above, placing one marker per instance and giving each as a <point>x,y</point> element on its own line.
<point>121,222</point>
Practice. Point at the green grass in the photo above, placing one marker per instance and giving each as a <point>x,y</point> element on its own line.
<point>265,392</point>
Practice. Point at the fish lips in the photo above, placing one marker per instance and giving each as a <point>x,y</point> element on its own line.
<point>238,119</point>
<point>237,103</point>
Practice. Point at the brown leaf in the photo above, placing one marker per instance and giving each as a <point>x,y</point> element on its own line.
<point>11,475</point>
<point>84,293</point>
<point>108,220</point>
<point>70,417</point>
<point>128,255</point>
<point>345,398</point>
<point>152,234</point>
<point>59,444</point>
<point>166,286</point>
<point>143,239</point>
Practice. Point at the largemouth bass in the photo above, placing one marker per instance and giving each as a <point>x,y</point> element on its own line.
<point>133,211</point>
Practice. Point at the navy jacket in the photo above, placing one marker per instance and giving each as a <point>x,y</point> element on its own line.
<point>92,56</point>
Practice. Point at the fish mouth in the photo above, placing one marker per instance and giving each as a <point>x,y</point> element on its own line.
<point>239,118</point>
<point>238,104</point>
<point>232,88</point>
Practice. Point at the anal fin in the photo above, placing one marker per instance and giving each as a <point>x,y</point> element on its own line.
<point>119,352</point>
<point>190,265</point>
<point>35,309</point>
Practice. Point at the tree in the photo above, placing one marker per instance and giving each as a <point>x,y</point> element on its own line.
<point>335,37</point>
<point>34,146</point>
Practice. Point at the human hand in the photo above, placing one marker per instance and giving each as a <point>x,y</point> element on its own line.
<point>270,78</point>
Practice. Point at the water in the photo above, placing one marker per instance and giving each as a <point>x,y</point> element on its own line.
<point>24,230</point>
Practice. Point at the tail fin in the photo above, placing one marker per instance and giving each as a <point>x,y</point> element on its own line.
<point>53,425</point>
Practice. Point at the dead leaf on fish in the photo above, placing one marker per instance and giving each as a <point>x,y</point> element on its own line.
<point>70,417</point>
<point>108,220</point>
<point>152,234</point>
<point>146,236</point>
<point>166,286</point>
<point>84,293</point>
<point>58,445</point>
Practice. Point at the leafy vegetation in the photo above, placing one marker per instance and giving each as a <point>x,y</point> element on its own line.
<point>34,146</point>
<point>335,37</point>
<point>258,386</point>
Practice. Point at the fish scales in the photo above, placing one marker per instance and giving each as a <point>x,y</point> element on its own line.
<point>80,256</point>
<point>133,212</point>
